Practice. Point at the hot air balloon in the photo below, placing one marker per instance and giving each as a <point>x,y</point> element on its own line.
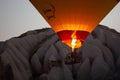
<point>73,20</point>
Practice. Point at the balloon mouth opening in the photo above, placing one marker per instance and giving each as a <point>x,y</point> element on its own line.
<point>73,38</point>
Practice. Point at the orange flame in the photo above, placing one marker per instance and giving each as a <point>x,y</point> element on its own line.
<point>76,43</point>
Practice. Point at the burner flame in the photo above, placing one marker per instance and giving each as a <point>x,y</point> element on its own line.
<point>75,42</point>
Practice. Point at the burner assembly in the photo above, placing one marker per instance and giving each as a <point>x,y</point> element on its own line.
<point>72,58</point>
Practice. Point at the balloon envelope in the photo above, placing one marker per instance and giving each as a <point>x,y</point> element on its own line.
<point>82,15</point>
